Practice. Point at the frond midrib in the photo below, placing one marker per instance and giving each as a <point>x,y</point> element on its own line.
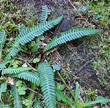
<point>47,81</point>
<point>46,78</point>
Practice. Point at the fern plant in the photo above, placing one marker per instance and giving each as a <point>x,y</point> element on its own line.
<point>44,76</point>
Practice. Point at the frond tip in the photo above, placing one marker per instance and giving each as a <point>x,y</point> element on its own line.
<point>47,84</point>
<point>70,35</point>
<point>45,13</point>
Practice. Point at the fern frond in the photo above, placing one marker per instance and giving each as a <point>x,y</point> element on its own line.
<point>62,97</point>
<point>2,41</point>
<point>45,13</point>
<point>27,35</point>
<point>29,76</point>
<point>2,65</point>
<point>70,35</point>
<point>47,84</point>
<point>15,70</point>
<point>3,88</point>
<point>16,97</point>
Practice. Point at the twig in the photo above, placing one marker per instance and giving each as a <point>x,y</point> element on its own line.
<point>66,84</point>
<point>82,19</point>
<point>72,4</point>
<point>86,84</point>
<point>82,67</point>
<point>33,91</point>
<point>26,63</point>
<point>30,66</point>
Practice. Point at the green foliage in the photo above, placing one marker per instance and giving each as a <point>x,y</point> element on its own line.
<point>103,100</point>
<point>20,88</point>
<point>17,100</point>
<point>70,35</point>
<point>56,67</point>
<point>15,64</point>
<point>91,95</point>
<point>34,46</point>
<point>36,60</point>
<point>62,97</point>
<point>3,88</point>
<point>2,41</point>
<point>77,94</point>
<point>60,87</point>
<point>99,100</point>
<point>47,84</point>
<point>27,35</point>
<point>102,63</point>
<point>10,16</point>
<point>15,70</point>
<point>100,15</point>
<point>29,76</point>
<point>26,102</point>
<point>10,28</point>
<point>78,104</point>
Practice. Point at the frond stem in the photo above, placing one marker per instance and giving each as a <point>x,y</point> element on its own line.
<point>66,84</point>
